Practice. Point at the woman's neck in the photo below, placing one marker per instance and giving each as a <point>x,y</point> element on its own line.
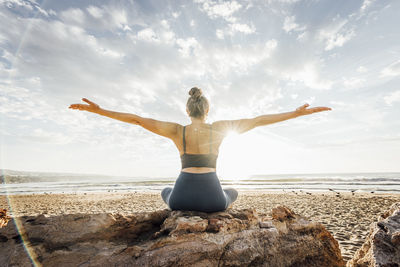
<point>197,121</point>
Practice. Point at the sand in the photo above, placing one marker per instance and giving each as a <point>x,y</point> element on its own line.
<point>345,215</point>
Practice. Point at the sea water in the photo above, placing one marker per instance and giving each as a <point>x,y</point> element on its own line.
<point>41,183</point>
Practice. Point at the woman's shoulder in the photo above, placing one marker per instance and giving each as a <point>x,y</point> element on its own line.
<point>221,124</point>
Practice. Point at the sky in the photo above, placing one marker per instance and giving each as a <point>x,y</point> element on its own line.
<point>249,57</point>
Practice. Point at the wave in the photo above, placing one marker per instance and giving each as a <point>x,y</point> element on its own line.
<point>34,184</point>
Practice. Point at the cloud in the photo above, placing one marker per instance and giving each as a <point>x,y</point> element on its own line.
<point>363,10</point>
<point>290,25</point>
<point>391,70</point>
<point>365,5</point>
<point>73,15</point>
<point>176,14</point>
<point>283,1</point>
<point>243,28</point>
<point>103,17</point>
<point>337,103</point>
<point>362,69</point>
<point>234,28</point>
<point>335,34</point>
<point>393,97</point>
<point>309,75</point>
<point>95,11</point>
<point>187,46</point>
<point>238,59</point>
<point>42,136</point>
<point>25,4</point>
<point>223,10</point>
<point>220,34</point>
<point>29,6</point>
<point>226,11</point>
<point>144,74</point>
<point>53,49</point>
<point>160,33</point>
<point>339,39</point>
<point>119,17</point>
<point>302,37</point>
<point>265,100</point>
<point>353,82</point>
<point>147,35</point>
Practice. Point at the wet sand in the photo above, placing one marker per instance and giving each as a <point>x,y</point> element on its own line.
<point>345,215</point>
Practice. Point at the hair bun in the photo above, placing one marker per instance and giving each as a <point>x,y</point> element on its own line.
<point>195,92</point>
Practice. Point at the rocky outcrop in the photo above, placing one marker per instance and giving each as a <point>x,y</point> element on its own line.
<point>170,238</point>
<point>382,246</point>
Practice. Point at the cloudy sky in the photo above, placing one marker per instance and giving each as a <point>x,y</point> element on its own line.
<point>249,57</point>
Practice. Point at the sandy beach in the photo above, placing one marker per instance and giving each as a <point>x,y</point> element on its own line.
<point>345,215</point>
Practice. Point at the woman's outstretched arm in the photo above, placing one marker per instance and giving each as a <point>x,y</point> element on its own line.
<point>300,111</point>
<point>163,128</point>
<point>244,125</point>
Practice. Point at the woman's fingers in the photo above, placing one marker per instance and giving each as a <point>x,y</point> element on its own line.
<point>302,110</point>
<point>78,106</point>
<point>323,108</point>
<point>91,107</point>
<point>319,109</point>
<point>303,106</point>
<point>88,101</point>
<point>92,104</point>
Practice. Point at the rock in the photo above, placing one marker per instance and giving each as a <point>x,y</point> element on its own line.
<point>266,224</point>
<point>4,218</point>
<point>395,238</point>
<point>282,213</point>
<point>170,238</point>
<point>382,245</point>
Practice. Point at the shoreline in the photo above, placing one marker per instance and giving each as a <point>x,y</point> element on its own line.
<point>345,215</point>
<point>242,190</point>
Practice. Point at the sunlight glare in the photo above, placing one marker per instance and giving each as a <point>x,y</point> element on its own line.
<point>233,156</point>
<point>250,153</point>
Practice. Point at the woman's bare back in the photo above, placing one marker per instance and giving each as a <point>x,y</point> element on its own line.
<point>198,139</point>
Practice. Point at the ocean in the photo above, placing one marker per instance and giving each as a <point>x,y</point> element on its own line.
<point>19,182</point>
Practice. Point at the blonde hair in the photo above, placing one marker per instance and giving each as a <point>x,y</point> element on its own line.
<point>197,104</point>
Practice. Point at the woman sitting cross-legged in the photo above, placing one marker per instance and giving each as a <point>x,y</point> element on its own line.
<point>198,188</point>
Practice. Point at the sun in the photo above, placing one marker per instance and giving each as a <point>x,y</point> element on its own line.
<point>233,159</point>
<point>250,153</point>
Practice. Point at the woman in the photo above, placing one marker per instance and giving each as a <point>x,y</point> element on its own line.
<point>198,187</point>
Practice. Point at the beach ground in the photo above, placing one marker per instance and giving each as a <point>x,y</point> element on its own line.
<point>347,216</point>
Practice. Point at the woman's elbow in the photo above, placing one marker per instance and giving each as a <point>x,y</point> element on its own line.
<point>257,121</point>
<point>135,121</point>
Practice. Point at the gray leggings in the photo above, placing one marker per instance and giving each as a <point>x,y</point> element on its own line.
<point>198,192</point>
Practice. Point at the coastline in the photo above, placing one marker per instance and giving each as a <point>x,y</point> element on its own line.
<point>347,216</point>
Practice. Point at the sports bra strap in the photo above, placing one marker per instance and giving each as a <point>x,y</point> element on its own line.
<point>210,138</point>
<point>184,143</point>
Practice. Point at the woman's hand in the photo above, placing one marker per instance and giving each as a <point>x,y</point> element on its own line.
<point>92,107</point>
<point>300,111</point>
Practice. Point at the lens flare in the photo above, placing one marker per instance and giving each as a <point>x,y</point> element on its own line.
<point>18,222</point>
